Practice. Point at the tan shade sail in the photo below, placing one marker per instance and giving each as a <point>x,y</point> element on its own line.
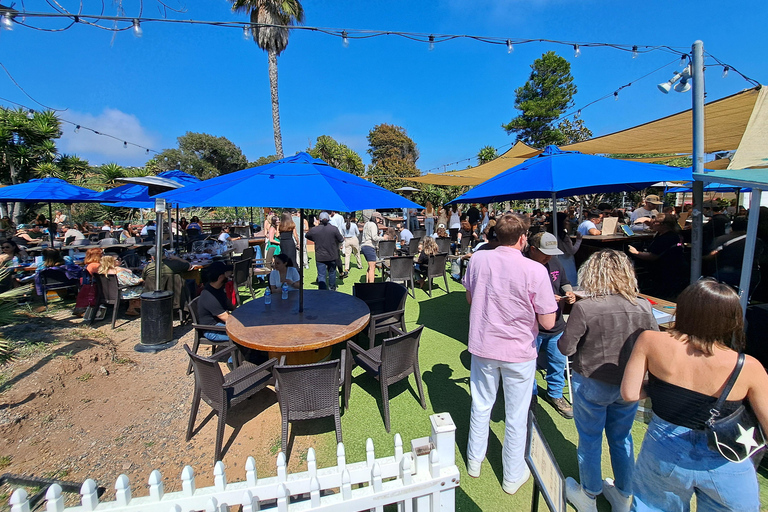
<point>725,121</point>
<point>517,154</point>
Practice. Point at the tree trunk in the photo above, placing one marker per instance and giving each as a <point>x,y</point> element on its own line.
<point>275,103</point>
<point>16,211</point>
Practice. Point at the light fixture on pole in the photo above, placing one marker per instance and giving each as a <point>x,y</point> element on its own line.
<point>684,78</point>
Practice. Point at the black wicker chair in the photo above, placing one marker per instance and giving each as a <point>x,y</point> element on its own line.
<point>241,276</point>
<point>387,304</point>
<point>309,391</point>
<point>401,270</point>
<point>199,336</point>
<point>413,247</point>
<point>262,267</point>
<point>436,268</point>
<point>443,244</point>
<point>109,291</point>
<point>392,361</point>
<point>54,279</point>
<point>221,391</point>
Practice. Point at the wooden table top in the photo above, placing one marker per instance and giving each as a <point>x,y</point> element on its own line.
<point>619,237</point>
<point>328,318</point>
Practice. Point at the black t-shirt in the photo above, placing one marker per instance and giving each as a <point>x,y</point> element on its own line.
<point>558,279</point>
<point>661,244</point>
<point>474,215</point>
<point>327,239</point>
<point>212,303</point>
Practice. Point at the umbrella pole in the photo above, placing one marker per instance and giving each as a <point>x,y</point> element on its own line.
<point>250,226</point>
<point>51,226</point>
<point>301,260</point>
<point>158,248</point>
<point>554,216</point>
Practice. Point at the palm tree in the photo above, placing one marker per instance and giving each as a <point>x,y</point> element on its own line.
<point>270,20</point>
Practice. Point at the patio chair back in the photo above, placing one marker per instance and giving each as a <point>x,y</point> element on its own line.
<point>309,391</point>
<point>436,268</point>
<point>387,304</point>
<point>103,234</point>
<point>69,240</point>
<point>465,241</point>
<point>386,249</point>
<point>106,242</point>
<point>443,244</point>
<point>82,241</point>
<point>238,246</point>
<point>54,279</point>
<point>208,378</point>
<point>199,337</point>
<point>413,245</point>
<point>400,356</point>
<point>264,267</point>
<point>109,291</point>
<point>241,276</point>
<point>401,270</point>
<point>130,240</point>
<point>420,233</point>
<point>248,253</point>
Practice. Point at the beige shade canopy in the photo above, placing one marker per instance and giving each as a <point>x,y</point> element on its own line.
<point>738,122</point>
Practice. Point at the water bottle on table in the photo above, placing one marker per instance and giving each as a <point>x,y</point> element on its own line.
<point>267,296</point>
<point>285,290</point>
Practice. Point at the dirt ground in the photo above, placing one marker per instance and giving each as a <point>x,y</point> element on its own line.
<point>79,403</point>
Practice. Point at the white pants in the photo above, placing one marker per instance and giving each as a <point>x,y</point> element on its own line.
<point>518,381</point>
<point>351,245</point>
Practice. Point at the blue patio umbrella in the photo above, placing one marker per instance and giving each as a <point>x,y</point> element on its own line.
<point>137,196</point>
<point>48,190</point>
<point>298,181</point>
<point>709,187</point>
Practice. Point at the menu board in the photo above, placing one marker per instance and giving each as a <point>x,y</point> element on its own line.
<point>546,472</point>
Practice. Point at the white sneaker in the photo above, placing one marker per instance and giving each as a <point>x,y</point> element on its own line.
<point>578,498</point>
<point>619,502</point>
<point>473,468</point>
<point>512,487</point>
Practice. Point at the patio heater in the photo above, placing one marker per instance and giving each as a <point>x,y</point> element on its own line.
<point>156,306</point>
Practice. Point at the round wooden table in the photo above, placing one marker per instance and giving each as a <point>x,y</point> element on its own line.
<point>278,328</point>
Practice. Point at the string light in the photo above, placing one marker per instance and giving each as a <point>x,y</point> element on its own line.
<point>634,52</point>
<point>344,39</point>
<point>77,128</point>
<point>725,71</point>
<point>125,145</point>
<point>510,48</point>
<point>8,21</point>
<point>616,95</point>
<point>137,28</point>
<point>683,60</point>
<point>247,32</point>
<point>431,42</point>
<point>576,51</point>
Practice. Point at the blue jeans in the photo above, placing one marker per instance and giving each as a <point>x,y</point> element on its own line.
<point>674,463</point>
<point>429,225</point>
<point>216,336</point>
<point>330,268</point>
<point>553,362</point>
<point>598,406</point>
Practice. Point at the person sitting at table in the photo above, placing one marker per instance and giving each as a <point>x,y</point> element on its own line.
<point>466,230</point>
<point>71,233</point>
<point>41,221</point>
<point>600,334</point>
<point>110,266</point>
<point>225,237</point>
<point>7,227</point>
<point>108,225</point>
<point>213,305</point>
<point>589,226</point>
<point>404,235</point>
<point>428,248</point>
<point>127,232</point>
<point>92,260</point>
<point>441,232</point>
<point>283,271</point>
<point>195,224</point>
<point>11,254</point>
<point>53,260</point>
<point>87,227</point>
<point>59,218</point>
<point>664,258</point>
<point>150,226</point>
<point>172,265</point>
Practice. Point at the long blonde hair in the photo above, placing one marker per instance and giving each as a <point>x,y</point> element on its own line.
<point>609,272</point>
<point>429,246</point>
<point>106,264</point>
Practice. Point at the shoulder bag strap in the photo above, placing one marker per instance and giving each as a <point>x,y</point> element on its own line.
<point>715,411</point>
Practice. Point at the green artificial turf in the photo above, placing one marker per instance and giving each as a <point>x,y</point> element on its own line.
<point>444,362</point>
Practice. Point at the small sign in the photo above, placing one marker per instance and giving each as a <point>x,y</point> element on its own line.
<point>159,205</point>
<point>548,479</point>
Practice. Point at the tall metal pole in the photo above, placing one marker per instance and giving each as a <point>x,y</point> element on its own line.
<point>697,74</point>
<point>749,249</point>
<point>301,260</point>
<point>554,215</point>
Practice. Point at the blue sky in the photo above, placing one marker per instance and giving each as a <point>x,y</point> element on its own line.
<point>452,100</point>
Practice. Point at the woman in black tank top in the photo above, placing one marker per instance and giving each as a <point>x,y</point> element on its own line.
<point>692,363</point>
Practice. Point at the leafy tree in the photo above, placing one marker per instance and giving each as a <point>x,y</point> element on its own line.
<point>574,131</point>
<point>393,155</point>
<point>546,95</point>
<point>273,40</point>
<point>202,155</point>
<point>262,160</point>
<point>337,155</point>
<point>486,154</point>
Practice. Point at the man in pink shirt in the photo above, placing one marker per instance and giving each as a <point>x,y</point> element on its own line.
<point>509,296</point>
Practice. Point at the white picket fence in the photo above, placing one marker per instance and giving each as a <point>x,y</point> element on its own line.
<point>422,480</point>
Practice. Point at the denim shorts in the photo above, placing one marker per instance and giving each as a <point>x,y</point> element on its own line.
<point>369,253</point>
<point>675,462</point>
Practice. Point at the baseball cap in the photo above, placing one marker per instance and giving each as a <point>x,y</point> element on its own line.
<point>653,199</point>
<point>441,225</point>
<point>216,269</point>
<point>324,216</point>
<point>547,243</point>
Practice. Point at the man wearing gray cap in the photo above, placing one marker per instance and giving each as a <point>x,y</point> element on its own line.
<point>327,239</point>
<point>543,249</point>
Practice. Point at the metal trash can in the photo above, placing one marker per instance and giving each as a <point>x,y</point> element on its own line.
<point>156,319</point>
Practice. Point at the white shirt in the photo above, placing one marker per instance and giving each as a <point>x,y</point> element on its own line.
<point>106,228</point>
<point>641,212</point>
<point>75,233</point>
<point>353,230</point>
<point>223,237</point>
<point>145,229</point>
<point>291,274</point>
<point>585,226</point>
<point>338,221</point>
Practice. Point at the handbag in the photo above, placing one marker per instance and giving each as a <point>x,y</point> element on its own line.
<point>738,436</point>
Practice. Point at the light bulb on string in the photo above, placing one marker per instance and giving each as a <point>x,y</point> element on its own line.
<point>137,28</point>
<point>344,39</point>
<point>7,21</point>
<point>683,60</point>
<point>77,128</point>
<point>725,71</point>
<point>125,145</point>
<point>634,52</point>
<point>510,48</point>
<point>616,96</point>
<point>576,51</point>
<point>578,113</point>
<point>431,42</point>
<point>247,32</point>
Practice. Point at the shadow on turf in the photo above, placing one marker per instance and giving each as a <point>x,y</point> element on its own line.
<point>447,314</point>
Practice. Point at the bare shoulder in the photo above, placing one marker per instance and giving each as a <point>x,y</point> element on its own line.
<point>655,341</point>
<point>755,368</point>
